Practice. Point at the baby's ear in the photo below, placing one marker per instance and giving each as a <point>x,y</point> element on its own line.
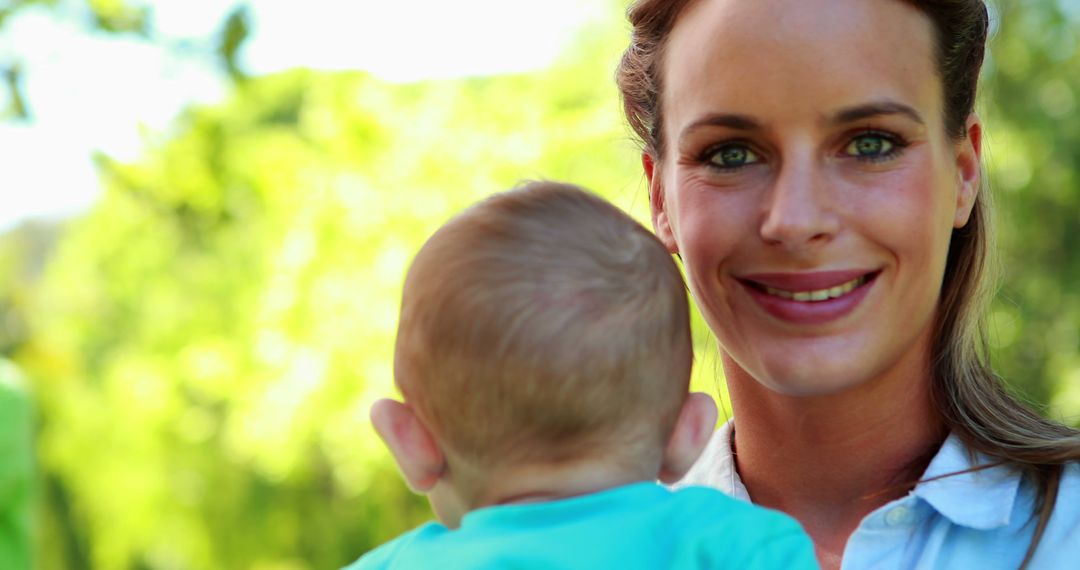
<point>693,428</point>
<point>418,455</point>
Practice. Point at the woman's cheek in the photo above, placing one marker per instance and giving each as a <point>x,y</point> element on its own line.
<point>712,223</point>
<point>703,240</point>
<point>918,217</point>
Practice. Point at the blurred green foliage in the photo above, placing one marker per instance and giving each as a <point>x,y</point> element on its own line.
<point>1031,103</point>
<point>205,344</point>
<point>16,470</point>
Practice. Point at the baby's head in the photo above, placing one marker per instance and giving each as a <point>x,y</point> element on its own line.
<point>544,329</point>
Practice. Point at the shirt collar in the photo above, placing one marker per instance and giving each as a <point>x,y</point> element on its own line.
<point>716,466</point>
<point>980,499</point>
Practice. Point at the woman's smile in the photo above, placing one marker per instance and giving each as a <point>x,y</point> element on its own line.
<point>809,298</point>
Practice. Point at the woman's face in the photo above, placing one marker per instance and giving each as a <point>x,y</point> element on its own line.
<point>808,184</point>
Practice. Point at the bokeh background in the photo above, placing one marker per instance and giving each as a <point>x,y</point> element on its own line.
<point>207,209</point>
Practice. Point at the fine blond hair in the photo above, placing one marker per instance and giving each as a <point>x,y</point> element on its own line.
<point>544,324</point>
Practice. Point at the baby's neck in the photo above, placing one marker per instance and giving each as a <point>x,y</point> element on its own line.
<point>466,486</point>
<point>542,483</point>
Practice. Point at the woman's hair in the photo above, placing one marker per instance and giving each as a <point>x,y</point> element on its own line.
<point>971,399</point>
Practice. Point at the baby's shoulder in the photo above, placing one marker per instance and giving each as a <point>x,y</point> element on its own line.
<point>729,533</point>
<point>708,508</point>
<point>385,557</point>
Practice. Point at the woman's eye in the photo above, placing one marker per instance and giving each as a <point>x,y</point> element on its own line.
<point>870,146</point>
<point>732,156</point>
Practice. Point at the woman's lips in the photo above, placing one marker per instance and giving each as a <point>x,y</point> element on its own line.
<point>809,298</point>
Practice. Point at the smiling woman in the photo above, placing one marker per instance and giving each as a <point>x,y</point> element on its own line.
<point>816,166</point>
<point>816,212</point>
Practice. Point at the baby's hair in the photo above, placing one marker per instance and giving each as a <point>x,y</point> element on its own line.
<point>544,324</point>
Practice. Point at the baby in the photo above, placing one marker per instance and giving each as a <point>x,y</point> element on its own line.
<point>544,357</point>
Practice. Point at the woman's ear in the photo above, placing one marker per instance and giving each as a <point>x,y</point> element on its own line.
<point>657,207</point>
<point>693,428</point>
<point>415,450</point>
<point>969,170</point>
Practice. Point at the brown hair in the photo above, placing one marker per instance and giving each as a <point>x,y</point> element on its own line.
<point>544,324</point>
<point>973,402</point>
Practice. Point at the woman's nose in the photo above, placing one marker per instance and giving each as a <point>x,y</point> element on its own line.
<point>799,210</point>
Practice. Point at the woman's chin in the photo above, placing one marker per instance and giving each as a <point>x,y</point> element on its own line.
<point>810,387</point>
<point>810,377</point>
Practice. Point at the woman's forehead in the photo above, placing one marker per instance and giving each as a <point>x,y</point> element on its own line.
<point>805,21</point>
<point>772,58</point>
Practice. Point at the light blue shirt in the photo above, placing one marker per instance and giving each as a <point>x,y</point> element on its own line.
<point>980,520</point>
<point>640,526</point>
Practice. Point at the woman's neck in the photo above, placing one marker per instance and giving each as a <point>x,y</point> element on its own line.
<point>830,460</point>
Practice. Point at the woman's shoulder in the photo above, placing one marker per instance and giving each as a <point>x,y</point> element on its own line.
<point>1071,474</point>
<point>1059,546</point>
<point>1066,497</point>
<point>1067,502</point>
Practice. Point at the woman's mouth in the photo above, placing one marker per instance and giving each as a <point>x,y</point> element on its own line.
<point>818,294</point>
<point>810,298</point>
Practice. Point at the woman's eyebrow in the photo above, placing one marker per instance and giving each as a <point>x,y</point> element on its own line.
<point>875,109</point>
<point>847,115</point>
<point>729,120</point>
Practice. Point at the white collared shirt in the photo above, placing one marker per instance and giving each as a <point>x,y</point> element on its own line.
<point>979,520</point>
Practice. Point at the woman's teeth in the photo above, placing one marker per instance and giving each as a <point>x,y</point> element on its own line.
<point>820,294</point>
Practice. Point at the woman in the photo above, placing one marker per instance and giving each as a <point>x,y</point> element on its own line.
<point>816,166</point>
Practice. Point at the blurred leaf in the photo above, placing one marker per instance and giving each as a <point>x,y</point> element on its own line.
<point>119,16</point>
<point>233,36</point>
<point>17,107</point>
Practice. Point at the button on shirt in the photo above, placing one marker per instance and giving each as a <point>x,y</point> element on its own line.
<point>981,520</point>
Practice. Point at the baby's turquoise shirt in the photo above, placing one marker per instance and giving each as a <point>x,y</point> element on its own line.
<point>637,526</point>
